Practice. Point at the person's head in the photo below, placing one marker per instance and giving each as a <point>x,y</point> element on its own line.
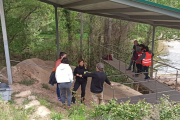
<point>100,67</point>
<point>147,49</point>
<point>135,42</point>
<point>142,46</point>
<point>81,62</point>
<point>65,61</point>
<point>62,55</point>
<point>138,49</point>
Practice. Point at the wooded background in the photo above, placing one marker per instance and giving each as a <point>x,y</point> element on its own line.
<point>32,33</point>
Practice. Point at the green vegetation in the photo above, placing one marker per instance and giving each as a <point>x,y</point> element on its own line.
<point>9,112</point>
<point>125,111</point>
<point>45,86</point>
<point>26,101</point>
<point>27,82</point>
<point>31,33</point>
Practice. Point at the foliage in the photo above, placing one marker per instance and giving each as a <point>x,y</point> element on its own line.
<point>27,82</point>
<point>45,86</point>
<point>9,112</point>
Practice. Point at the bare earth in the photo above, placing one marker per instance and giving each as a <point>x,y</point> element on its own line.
<point>41,75</point>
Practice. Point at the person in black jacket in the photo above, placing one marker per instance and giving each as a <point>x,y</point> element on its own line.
<point>80,81</point>
<point>98,79</point>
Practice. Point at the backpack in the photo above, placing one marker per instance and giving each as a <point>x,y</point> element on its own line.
<point>52,79</point>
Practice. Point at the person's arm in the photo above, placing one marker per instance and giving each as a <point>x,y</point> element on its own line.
<point>70,75</point>
<point>108,82</point>
<point>142,57</point>
<point>75,72</point>
<point>88,75</point>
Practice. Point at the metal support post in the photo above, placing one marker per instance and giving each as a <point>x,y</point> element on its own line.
<point>81,38</point>
<point>176,80</point>
<point>153,39</point>
<point>57,32</point>
<point>119,62</point>
<point>6,48</point>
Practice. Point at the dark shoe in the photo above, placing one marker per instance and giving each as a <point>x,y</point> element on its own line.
<point>128,69</point>
<point>133,71</point>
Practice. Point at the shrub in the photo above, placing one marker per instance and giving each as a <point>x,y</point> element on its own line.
<point>27,82</point>
<point>45,86</point>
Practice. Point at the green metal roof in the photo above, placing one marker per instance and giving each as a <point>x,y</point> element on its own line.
<point>141,11</point>
<point>159,5</point>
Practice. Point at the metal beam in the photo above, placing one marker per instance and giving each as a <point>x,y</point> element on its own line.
<point>167,23</point>
<point>127,19</point>
<point>57,32</point>
<point>6,48</point>
<point>51,3</point>
<point>153,39</point>
<point>153,17</point>
<point>81,39</point>
<point>117,10</point>
<point>84,2</point>
<point>151,8</point>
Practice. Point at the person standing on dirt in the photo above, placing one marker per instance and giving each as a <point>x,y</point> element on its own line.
<point>80,81</point>
<point>58,62</point>
<point>134,52</point>
<point>98,79</point>
<point>64,77</point>
<point>146,61</point>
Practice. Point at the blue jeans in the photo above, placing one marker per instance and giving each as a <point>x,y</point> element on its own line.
<point>65,88</point>
<point>58,91</point>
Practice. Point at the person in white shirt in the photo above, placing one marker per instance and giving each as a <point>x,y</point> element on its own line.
<point>64,76</point>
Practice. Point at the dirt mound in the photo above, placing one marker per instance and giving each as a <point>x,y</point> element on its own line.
<point>41,75</point>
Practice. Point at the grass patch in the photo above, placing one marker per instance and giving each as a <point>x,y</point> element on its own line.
<point>26,101</point>
<point>11,101</point>
<point>44,103</point>
<point>56,116</point>
<point>9,112</point>
<point>31,110</point>
<point>27,82</point>
<point>45,86</point>
<point>14,93</point>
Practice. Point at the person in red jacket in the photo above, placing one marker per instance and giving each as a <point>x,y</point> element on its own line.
<point>58,62</point>
<point>146,61</point>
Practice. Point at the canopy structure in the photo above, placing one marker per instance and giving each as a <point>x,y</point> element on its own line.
<point>141,11</point>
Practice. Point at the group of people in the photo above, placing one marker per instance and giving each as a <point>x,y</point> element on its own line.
<point>62,74</point>
<point>141,59</point>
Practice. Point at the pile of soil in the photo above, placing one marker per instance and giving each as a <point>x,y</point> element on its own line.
<point>41,76</point>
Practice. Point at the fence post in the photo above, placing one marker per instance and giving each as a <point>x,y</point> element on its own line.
<point>113,92</point>
<point>176,80</point>
<point>156,85</point>
<point>119,62</point>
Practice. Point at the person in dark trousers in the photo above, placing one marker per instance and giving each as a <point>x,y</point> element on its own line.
<point>138,64</point>
<point>98,79</point>
<point>80,81</point>
<point>146,61</point>
<point>64,77</point>
<point>134,52</point>
<point>58,62</point>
